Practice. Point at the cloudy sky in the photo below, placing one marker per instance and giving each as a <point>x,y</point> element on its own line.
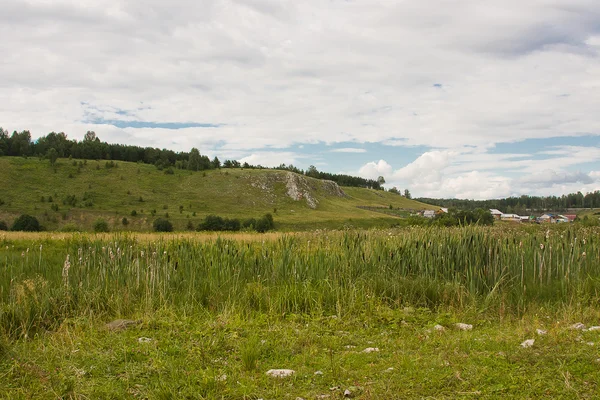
<point>448,98</point>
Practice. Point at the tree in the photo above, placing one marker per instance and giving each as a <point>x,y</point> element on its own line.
<point>194,160</point>
<point>162,225</point>
<point>216,164</point>
<point>90,136</point>
<point>26,223</point>
<point>381,180</point>
<point>312,172</point>
<point>52,156</point>
<point>407,194</point>
<point>394,190</point>
<point>3,226</point>
<point>100,226</point>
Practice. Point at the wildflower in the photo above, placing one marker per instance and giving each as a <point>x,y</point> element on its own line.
<point>542,246</point>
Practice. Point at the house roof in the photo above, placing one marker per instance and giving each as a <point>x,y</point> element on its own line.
<point>493,211</point>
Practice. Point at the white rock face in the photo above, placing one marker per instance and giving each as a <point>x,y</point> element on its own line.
<point>528,343</point>
<point>463,327</point>
<point>280,373</point>
<point>541,332</point>
<point>371,350</point>
<point>578,326</point>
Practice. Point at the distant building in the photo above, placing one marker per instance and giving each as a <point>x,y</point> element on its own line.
<point>497,214</point>
<point>510,217</point>
<point>571,217</point>
<point>429,213</point>
<point>444,209</point>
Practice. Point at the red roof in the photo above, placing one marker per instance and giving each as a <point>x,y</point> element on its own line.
<point>571,216</point>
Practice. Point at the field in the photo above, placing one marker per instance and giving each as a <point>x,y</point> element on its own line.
<point>348,311</point>
<point>75,193</point>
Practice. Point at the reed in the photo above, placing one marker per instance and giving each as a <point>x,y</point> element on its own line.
<point>46,278</point>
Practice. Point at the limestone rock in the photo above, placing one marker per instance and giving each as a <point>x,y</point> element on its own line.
<point>280,373</point>
<point>463,327</point>
<point>120,324</point>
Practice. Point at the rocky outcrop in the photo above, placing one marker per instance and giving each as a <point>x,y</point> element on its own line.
<point>298,187</point>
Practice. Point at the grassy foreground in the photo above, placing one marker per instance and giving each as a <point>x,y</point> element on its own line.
<point>216,313</point>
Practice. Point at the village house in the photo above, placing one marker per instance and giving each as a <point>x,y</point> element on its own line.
<point>497,214</point>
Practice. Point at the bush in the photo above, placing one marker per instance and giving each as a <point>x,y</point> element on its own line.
<point>133,213</point>
<point>125,221</point>
<point>162,225</point>
<point>100,226</point>
<point>70,228</point>
<point>26,223</point>
<point>3,226</point>
<point>216,223</point>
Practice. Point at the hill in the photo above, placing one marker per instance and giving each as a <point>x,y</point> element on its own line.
<point>75,193</point>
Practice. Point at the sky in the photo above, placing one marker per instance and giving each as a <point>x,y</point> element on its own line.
<point>447,98</point>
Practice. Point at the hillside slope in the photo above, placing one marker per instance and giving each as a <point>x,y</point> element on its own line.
<point>81,192</point>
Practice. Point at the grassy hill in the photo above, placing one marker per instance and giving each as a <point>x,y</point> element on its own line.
<point>75,193</point>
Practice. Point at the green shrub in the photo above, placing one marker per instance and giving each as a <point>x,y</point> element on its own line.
<point>133,213</point>
<point>26,223</point>
<point>125,221</point>
<point>70,228</point>
<point>3,226</point>
<point>100,226</point>
<point>162,225</point>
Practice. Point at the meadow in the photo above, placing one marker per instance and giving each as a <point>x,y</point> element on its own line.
<point>216,312</point>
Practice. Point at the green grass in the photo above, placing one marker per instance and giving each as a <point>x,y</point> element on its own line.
<point>221,311</point>
<point>114,193</point>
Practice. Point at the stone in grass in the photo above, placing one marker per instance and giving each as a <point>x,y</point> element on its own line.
<point>541,332</point>
<point>144,339</point>
<point>463,327</point>
<point>439,328</point>
<point>120,324</point>
<point>280,373</point>
<point>528,343</point>
<point>594,328</point>
<point>578,327</point>
<point>371,350</point>
<point>319,372</point>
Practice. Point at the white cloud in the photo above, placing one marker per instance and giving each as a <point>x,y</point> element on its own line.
<point>373,170</point>
<point>348,150</point>
<point>279,73</point>
<point>271,159</point>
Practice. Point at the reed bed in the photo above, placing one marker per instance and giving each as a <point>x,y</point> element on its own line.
<point>47,279</point>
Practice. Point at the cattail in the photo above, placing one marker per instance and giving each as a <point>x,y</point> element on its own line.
<point>65,271</point>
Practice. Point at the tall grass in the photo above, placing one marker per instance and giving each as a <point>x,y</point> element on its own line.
<point>44,281</point>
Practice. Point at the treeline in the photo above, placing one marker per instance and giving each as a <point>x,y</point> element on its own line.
<point>53,145</point>
<point>524,204</point>
<point>455,217</point>
<point>340,179</point>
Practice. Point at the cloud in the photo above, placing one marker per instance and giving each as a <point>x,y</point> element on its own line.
<point>373,170</point>
<point>349,150</point>
<point>274,75</point>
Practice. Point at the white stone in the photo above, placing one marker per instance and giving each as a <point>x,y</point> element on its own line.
<point>541,332</point>
<point>347,393</point>
<point>463,327</point>
<point>578,326</point>
<point>594,328</point>
<point>318,372</point>
<point>528,343</point>
<point>439,328</point>
<point>222,378</point>
<point>371,350</point>
<point>280,373</point>
<point>144,340</point>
